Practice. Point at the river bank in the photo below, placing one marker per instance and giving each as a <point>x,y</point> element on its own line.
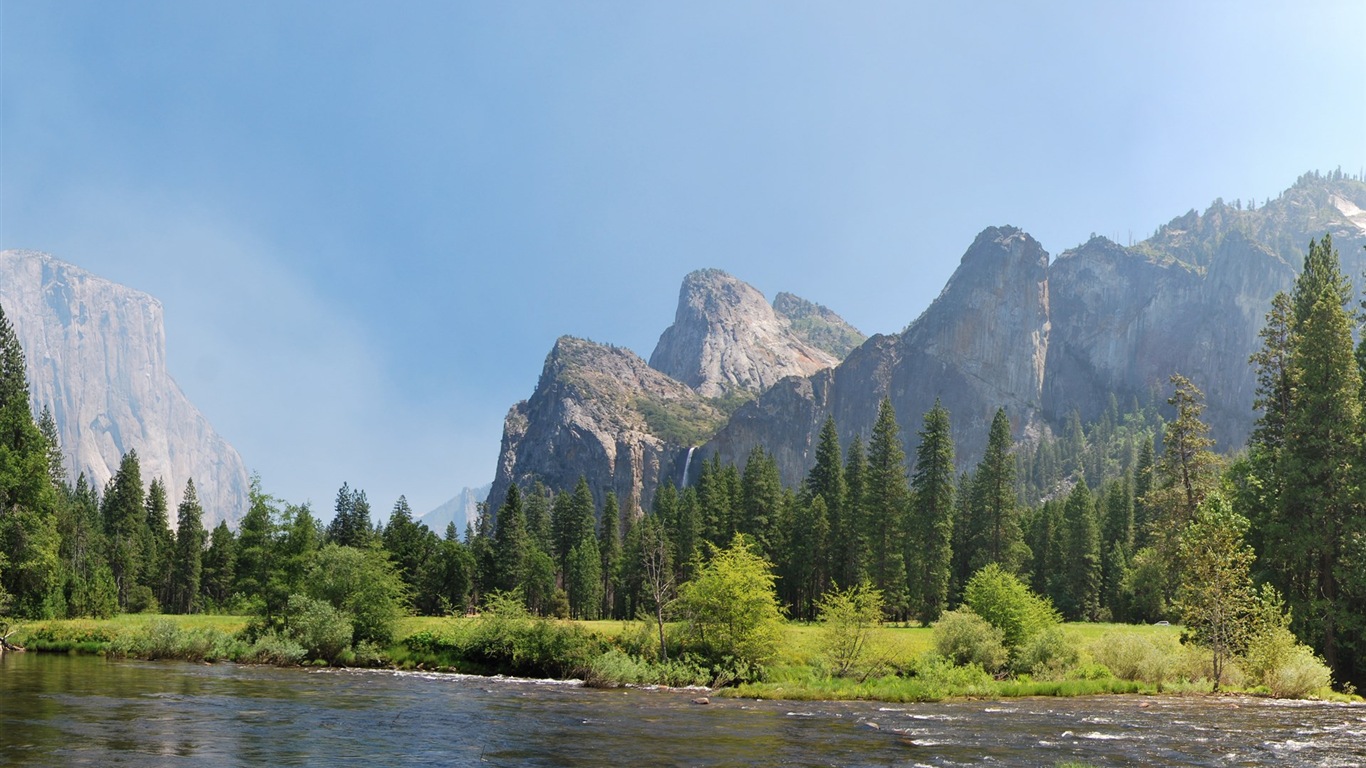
<point>901,667</point>
<point>84,710</point>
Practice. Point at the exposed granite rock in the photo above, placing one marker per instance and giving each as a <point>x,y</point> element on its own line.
<point>981,344</point>
<point>601,412</point>
<point>727,339</point>
<point>461,510</point>
<point>818,325</point>
<point>96,355</point>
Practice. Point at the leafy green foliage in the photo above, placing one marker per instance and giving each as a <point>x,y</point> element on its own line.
<point>848,616</point>
<point>731,608</point>
<point>965,638</point>
<point>1007,604</point>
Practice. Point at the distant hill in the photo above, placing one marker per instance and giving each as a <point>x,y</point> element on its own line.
<point>461,510</point>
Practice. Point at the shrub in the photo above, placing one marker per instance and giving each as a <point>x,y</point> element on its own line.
<point>1288,668</point>
<point>1010,606</point>
<point>1048,654</point>
<point>323,631</point>
<point>1132,657</point>
<point>730,610</point>
<point>964,638</point>
<point>849,616</point>
<point>364,584</point>
<point>271,648</point>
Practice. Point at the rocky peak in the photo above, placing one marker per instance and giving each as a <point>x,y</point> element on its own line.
<point>817,325</point>
<point>601,412</point>
<point>727,339</point>
<point>96,355</point>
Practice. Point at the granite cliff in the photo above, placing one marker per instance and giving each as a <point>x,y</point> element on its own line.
<point>1010,329</point>
<point>96,356</point>
<point>602,412</point>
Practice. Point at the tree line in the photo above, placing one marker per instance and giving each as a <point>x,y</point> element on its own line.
<point>1097,520</point>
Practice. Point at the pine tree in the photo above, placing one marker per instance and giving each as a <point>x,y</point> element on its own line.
<point>187,568</point>
<point>1189,469</point>
<point>885,501</point>
<point>29,540</point>
<point>257,553</point>
<point>855,513</point>
<point>1081,570</point>
<point>125,522</point>
<point>1321,509</point>
<point>1143,484</point>
<point>538,517</point>
<point>159,546</point>
<point>510,543</point>
<point>583,579</point>
<point>447,577</point>
<point>573,518</point>
<point>929,540</point>
<point>408,542</point>
<point>609,547</point>
<point>995,535</point>
<point>687,535</point>
<point>761,501</point>
<point>220,567</point>
<point>806,557</point>
<point>826,482</point>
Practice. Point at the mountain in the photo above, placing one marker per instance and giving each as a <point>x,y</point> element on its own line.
<point>1044,340</point>
<point>96,356</point>
<point>461,510</point>
<point>1011,329</point>
<point>602,412</point>
<point>727,339</point>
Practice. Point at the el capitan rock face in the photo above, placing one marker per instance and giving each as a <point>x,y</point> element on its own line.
<point>726,338</point>
<point>96,355</point>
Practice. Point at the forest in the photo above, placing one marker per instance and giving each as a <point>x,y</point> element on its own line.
<point>1134,518</point>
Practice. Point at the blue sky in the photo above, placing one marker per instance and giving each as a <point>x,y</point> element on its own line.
<point>369,222</point>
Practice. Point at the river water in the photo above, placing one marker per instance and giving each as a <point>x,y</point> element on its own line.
<point>72,711</point>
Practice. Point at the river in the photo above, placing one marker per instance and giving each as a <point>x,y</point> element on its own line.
<point>73,711</point>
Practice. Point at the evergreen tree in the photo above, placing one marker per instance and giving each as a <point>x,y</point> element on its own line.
<point>1216,597</point>
<point>351,525</point>
<point>574,518</point>
<point>1188,470</point>
<point>187,568</point>
<point>761,501</point>
<point>687,535</point>
<point>1080,591</point>
<point>995,535</point>
<point>30,574</point>
<point>1117,540</point>
<point>1321,510</point>
<point>124,523</point>
<point>56,462</point>
<point>219,573</point>
<point>510,543</point>
<point>1143,485</point>
<point>806,580</point>
<point>539,517</point>
<point>609,547</point>
<point>409,543</point>
<point>159,546</point>
<point>299,536</point>
<point>929,543</point>
<point>854,510</point>
<point>885,501</point>
<point>583,580</point>
<point>256,566</point>
<point>826,482</point>
<point>447,577</point>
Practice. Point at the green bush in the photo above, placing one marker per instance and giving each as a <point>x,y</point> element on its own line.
<point>730,610</point>
<point>323,631</point>
<point>271,648</point>
<point>1010,606</point>
<point>1129,656</point>
<point>1048,655</point>
<point>1288,668</point>
<point>964,638</point>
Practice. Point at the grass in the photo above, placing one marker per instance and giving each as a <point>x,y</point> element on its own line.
<point>900,664</point>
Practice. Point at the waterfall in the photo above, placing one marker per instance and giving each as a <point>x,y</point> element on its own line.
<point>687,463</point>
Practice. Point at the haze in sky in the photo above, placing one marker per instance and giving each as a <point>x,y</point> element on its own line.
<point>368,222</point>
